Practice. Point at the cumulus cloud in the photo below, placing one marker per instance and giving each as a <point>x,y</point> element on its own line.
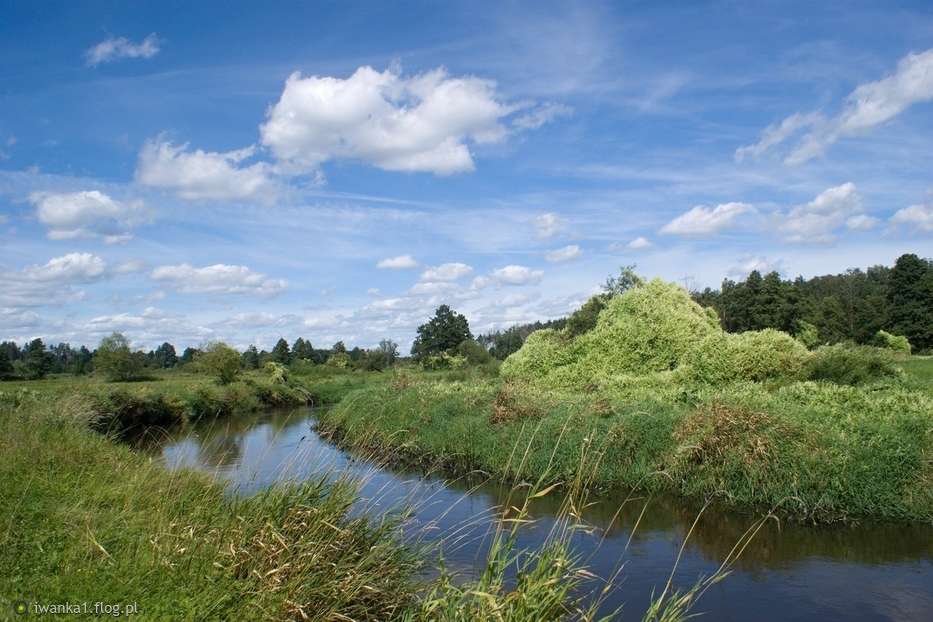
<point>201,174</point>
<point>420,123</point>
<point>446,272</point>
<point>703,220</point>
<point>116,48</point>
<point>51,283</point>
<point>548,225</point>
<point>918,217</point>
<point>402,262</point>
<point>517,275</point>
<point>639,243</point>
<point>218,279</point>
<point>818,220</point>
<point>88,214</point>
<point>868,106</point>
<point>564,254</point>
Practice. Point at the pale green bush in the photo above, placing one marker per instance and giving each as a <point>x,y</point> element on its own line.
<point>753,355</point>
<point>543,351</point>
<point>897,343</point>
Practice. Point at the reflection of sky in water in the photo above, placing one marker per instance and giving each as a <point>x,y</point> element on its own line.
<point>788,573</point>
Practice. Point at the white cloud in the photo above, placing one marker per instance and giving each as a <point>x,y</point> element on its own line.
<point>431,288</point>
<point>868,106</point>
<point>548,225</point>
<point>52,282</point>
<point>422,123</point>
<point>541,115</point>
<point>200,174</point>
<point>777,133</point>
<point>401,262</point>
<point>218,279</point>
<point>918,217</point>
<point>746,266</point>
<point>88,214</point>
<point>517,275</point>
<point>446,272</point>
<point>116,48</point>
<point>817,221</point>
<point>702,220</point>
<point>564,254</point>
<point>639,243</point>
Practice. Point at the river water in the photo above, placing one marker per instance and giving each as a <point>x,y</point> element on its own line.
<point>788,572</point>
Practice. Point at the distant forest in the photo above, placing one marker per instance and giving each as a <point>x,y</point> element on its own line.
<point>848,307</point>
<point>852,306</point>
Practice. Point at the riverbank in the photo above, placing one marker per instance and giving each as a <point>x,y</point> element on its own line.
<point>814,451</point>
<point>87,519</point>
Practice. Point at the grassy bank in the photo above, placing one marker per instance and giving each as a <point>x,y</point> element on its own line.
<point>86,519</point>
<point>815,450</point>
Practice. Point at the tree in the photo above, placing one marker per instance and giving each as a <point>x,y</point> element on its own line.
<point>36,362</point>
<point>444,332</point>
<point>910,300</point>
<point>338,348</point>
<point>584,319</point>
<point>115,359</point>
<point>164,356</point>
<point>302,350</point>
<point>189,355</point>
<point>382,356</point>
<point>6,366</point>
<point>82,362</point>
<point>250,358</point>
<point>281,353</point>
<point>219,360</point>
<point>473,352</point>
<point>627,279</point>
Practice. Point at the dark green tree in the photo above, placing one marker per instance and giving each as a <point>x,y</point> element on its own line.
<point>442,333</point>
<point>302,350</point>
<point>189,355</point>
<point>36,360</point>
<point>165,356</point>
<point>910,301</point>
<point>6,366</point>
<point>250,358</point>
<point>338,348</point>
<point>280,353</point>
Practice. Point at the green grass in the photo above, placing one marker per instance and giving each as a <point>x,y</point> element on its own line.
<point>813,450</point>
<point>87,519</point>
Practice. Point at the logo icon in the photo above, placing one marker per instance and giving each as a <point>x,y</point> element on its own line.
<point>21,607</point>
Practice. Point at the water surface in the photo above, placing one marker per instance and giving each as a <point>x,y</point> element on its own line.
<point>789,572</point>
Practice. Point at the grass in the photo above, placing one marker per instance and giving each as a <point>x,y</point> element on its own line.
<point>87,519</point>
<point>815,450</point>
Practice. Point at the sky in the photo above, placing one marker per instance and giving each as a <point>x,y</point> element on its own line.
<point>228,171</point>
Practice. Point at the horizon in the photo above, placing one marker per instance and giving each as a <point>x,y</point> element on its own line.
<point>336,173</point>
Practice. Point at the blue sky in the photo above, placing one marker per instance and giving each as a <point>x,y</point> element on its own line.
<point>337,170</point>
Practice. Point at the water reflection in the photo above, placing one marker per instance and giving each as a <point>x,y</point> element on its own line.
<point>789,572</point>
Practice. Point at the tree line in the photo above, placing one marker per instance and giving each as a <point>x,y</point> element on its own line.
<point>849,307</point>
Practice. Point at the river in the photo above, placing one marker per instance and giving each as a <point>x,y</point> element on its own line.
<point>789,572</point>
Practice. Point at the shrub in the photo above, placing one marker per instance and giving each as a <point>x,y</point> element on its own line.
<point>219,360</point>
<point>340,360</point>
<point>753,355</point>
<point>808,334</point>
<point>116,361</point>
<point>897,343</point>
<point>543,351</point>
<point>851,365</point>
<point>277,372</point>
<point>473,352</point>
<point>583,320</point>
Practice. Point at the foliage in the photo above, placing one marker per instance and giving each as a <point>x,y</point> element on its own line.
<point>910,299</point>
<point>442,333</point>
<point>280,353</point>
<point>851,365</point>
<point>723,358</point>
<point>897,343</point>
<point>35,362</point>
<point>340,360</point>
<point>116,361</point>
<point>164,356</point>
<point>219,360</point>
<point>583,320</point>
<point>808,334</point>
<point>473,352</point>
<point>276,372</point>
<point>502,343</point>
<point>250,358</point>
<point>626,280</point>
